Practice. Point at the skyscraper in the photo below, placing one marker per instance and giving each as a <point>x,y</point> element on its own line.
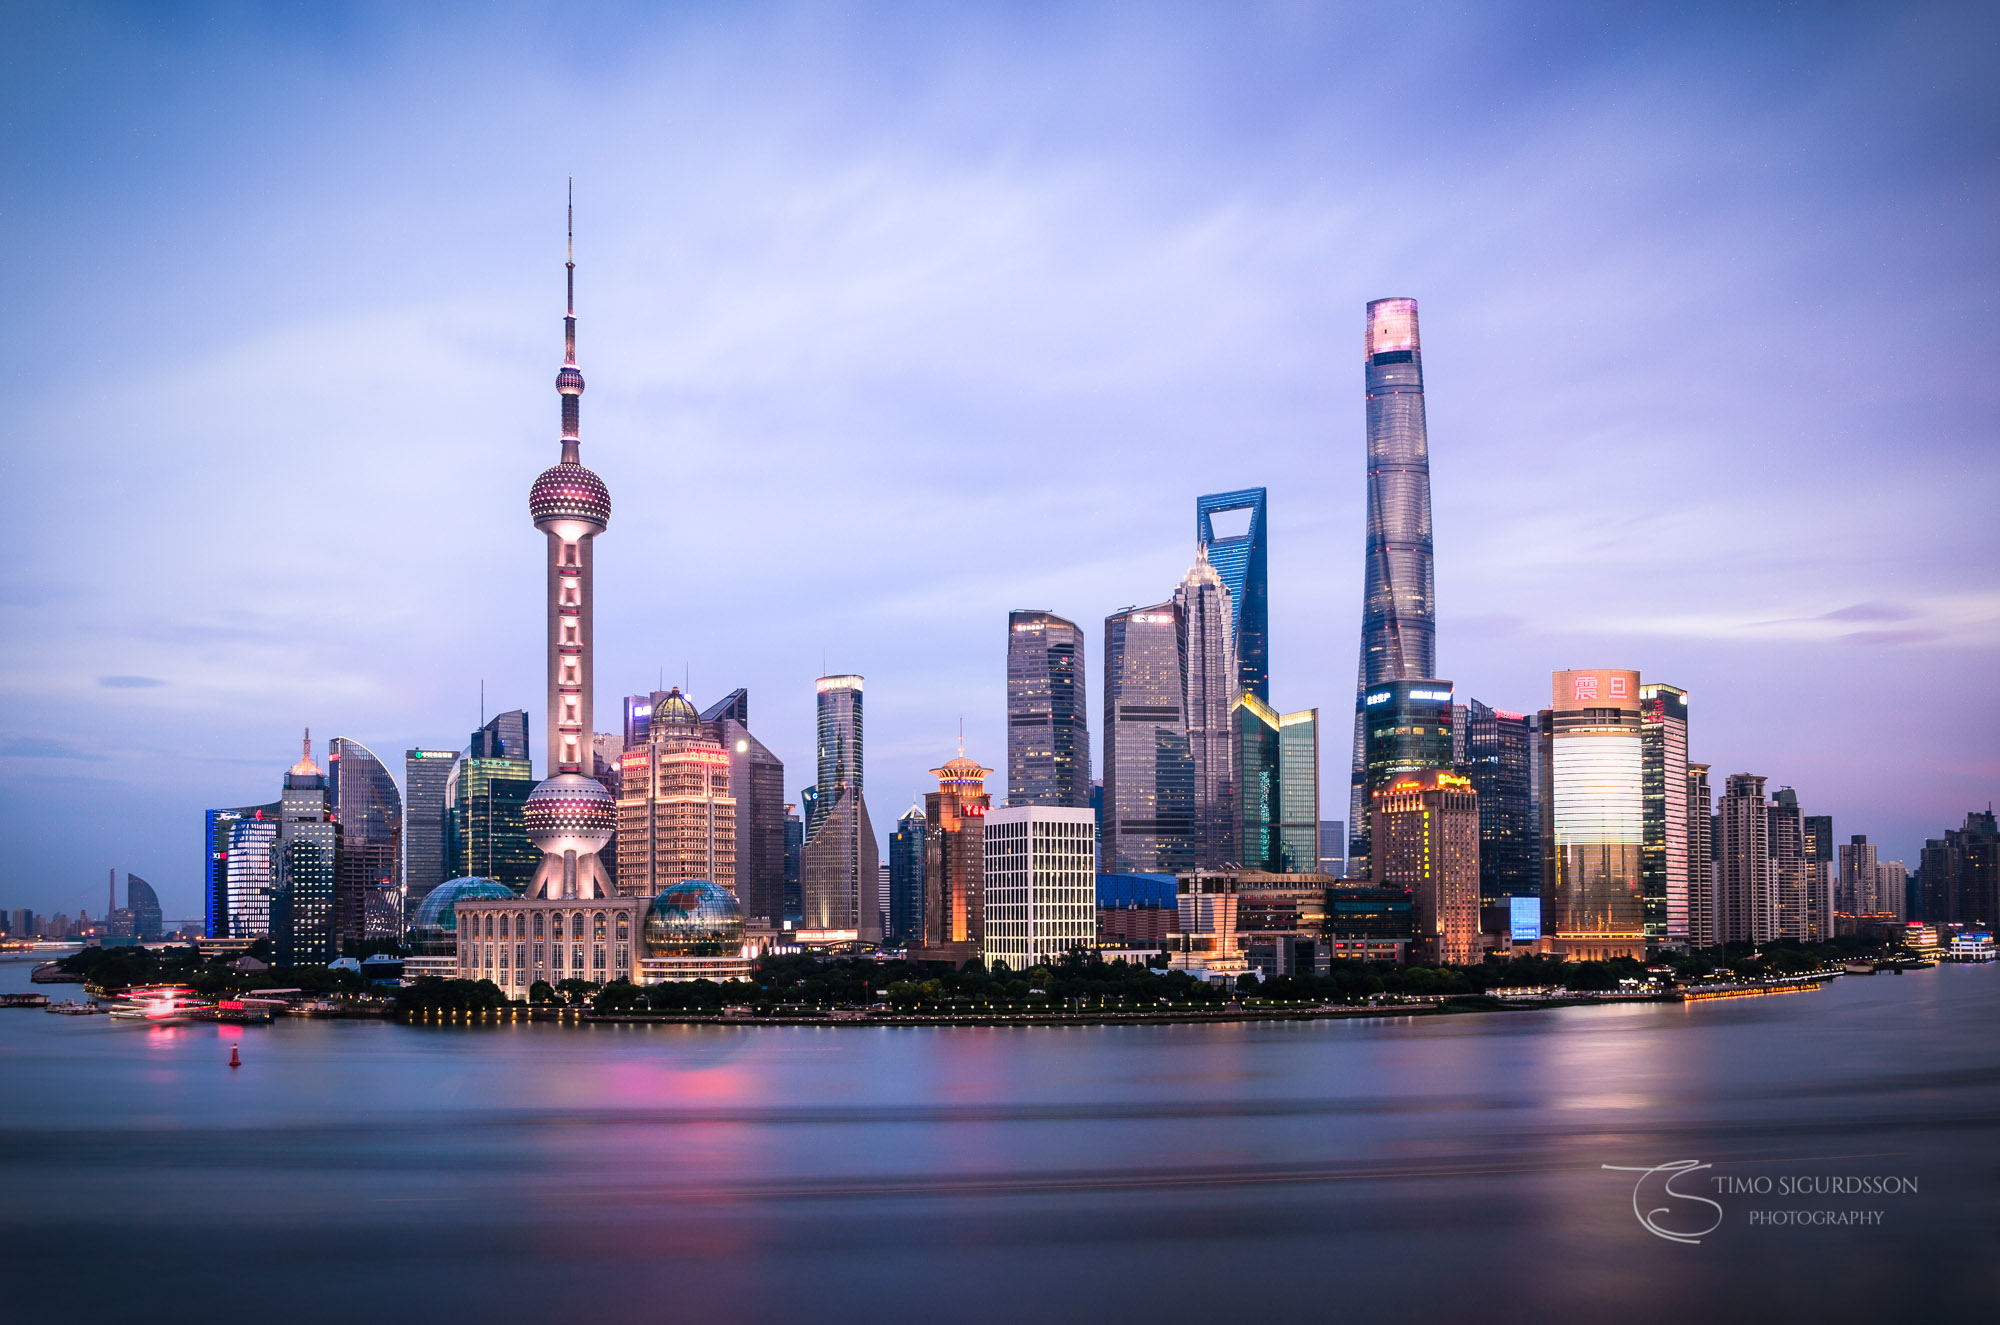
<point>953,924</point>
<point>1298,792</point>
<point>795,846</point>
<point>1498,757</point>
<point>1819,858</point>
<point>1426,839</point>
<point>1746,884</point>
<point>676,818</point>
<point>1048,724</point>
<point>1703,929</point>
<point>1040,883</point>
<point>906,878</point>
<point>304,861</point>
<point>1258,844</point>
<point>1407,728</point>
<point>251,865</point>
<point>144,904</point>
<point>569,816</point>
<point>1209,678</point>
<point>1663,854</point>
<point>841,858</point>
<point>1149,805</point>
<point>368,884</point>
<point>757,783</point>
<point>218,825</point>
<point>1791,867</point>
<point>1398,604</point>
<point>485,799</point>
<point>1229,528</point>
<point>1592,907</point>
<point>426,774</point>
<point>1856,893</point>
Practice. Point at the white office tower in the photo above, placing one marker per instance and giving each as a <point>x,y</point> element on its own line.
<point>1041,883</point>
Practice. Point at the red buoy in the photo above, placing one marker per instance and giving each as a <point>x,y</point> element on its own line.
<point>234,1061</point>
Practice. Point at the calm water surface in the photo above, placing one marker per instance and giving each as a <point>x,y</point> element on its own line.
<point>373,1172</point>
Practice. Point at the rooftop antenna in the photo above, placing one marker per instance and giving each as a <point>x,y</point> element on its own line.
<point>482,701</point>
<point>961,736</point>
<point>111,886</point>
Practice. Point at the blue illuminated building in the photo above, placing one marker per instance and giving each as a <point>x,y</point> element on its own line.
<point>1237,551</point>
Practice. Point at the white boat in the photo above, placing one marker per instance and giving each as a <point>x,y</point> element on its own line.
<point>70,1008</point>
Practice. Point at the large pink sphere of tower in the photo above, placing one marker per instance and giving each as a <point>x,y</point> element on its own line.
<point>569,501</point>
<point>570,812</point>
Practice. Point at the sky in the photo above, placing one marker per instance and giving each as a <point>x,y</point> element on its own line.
<point>896,317</point>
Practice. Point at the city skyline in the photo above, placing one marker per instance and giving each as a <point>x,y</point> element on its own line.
<point>426,368</point>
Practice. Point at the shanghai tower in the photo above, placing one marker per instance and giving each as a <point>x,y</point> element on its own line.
<point>1398,605</point>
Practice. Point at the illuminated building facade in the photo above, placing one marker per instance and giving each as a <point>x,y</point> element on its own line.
<point>1425,838</point>
<point>1746,884</point>
<point>1399,601</point>
<point>1663,855</point>
<point>693,930</point>
<point>757,783</point>
<point>1856,893</point>
<point>953,924</point>
<point>907,850</point>
<point>1406,728</point>
<point>676,818</point>
<point>1048,717</point>
<point>1137,910</point>
<point>426,774</point>
<point>1258,845</point>
<point>1703,926</point>
<point>1819,866</point>
<point>1210,688</point>
<point>1298,792</point>
<point>841,862</point>
<point>516,941</point>
<point>1149,822</point>
<point>1593,907</point>
<point>304,859</point>
<point>486,835</point>
<point>1040,883</point>
<point>1498,758</point>
<point>368,888</point>
<point>220,825</point>
<point>1229,529</point>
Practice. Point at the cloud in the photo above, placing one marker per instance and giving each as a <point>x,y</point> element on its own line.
<point>41,747</point>
<point>129,682</point>
<point>1869,612</point>
<point>1890,637</point>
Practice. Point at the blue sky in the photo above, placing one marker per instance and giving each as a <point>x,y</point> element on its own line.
<point>897,317</point>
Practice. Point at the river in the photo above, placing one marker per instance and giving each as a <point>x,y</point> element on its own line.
<point>1407,1167</point>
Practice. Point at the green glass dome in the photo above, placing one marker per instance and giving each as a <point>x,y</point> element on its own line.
<point>694,918</point>
<point>437,914</point>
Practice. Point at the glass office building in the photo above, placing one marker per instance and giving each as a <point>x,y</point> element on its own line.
<point>1663,856</point>
<point>1406,728</point>
<point>304,863</point>
<point>220,826</point>
<point>1498,759</point>
<point>486,836</point>
<point>906,877</point>
<point>368,892</point>
<point>1149,804</point>
<point>426,774</point>
<point>1048,725</point>
<point>841,862</point>
<point>1398,606</point>
<point>1298,792</point>
<point>1229,527</point>
<point>1258,842</point>
<point>1594,907</point>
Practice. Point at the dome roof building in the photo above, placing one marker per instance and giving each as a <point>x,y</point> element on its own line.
<point>676,810</point>
<point>693,930</point>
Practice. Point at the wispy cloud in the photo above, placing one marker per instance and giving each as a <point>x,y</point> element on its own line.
<point>129,682</point>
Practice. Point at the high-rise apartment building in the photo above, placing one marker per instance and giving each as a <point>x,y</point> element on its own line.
<point>906,878</point>
<point>841,857</point>
<point>1048,720</point>
<point>1746,883</point>
<point>1499,758</point>
<point>1819,869</point>
<point>1704,929</point>
<point>1892,881</point>
<point>1040,883</point>
<point>757,784</point>
<point>1855,895</point>
<point>368,887</point>
<point>304,862</point>
<point>676,817</point>
<point>218,826</point>
<point>1149,822</point>
<point>1406,729</point>
<point>1209,680</point>
<point>1663,853</point>
<point>1229,530</point>
<point>1960,873</point>
<point>953,924</point>
<point>426,775</point>
<point>1398,600</point>
<point>1426,839</point>
<point>1791,867</point>
<point>1596,823</point>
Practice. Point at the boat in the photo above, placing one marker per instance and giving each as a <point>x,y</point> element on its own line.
<point>161,1005</point>
<point>24,1000</point>
<point>71,1008</point>
<point>243,1012</point>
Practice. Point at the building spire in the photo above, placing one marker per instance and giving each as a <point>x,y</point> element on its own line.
<point>569,381</point>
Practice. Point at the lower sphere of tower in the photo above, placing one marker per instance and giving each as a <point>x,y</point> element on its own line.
<point>570,812</point>
<point>569,492</point>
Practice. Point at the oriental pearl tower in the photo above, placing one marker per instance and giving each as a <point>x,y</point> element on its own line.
<point>569,816</point>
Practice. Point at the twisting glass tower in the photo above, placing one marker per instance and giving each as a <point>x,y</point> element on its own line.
<point>1398,605</point>
<point>569,816</point>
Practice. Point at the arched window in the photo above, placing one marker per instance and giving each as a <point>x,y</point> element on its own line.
<point>538,926</point>
<point>597,931</point>
<point>556,920</point>
<point>489,924</point>
<point>624,927</point>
